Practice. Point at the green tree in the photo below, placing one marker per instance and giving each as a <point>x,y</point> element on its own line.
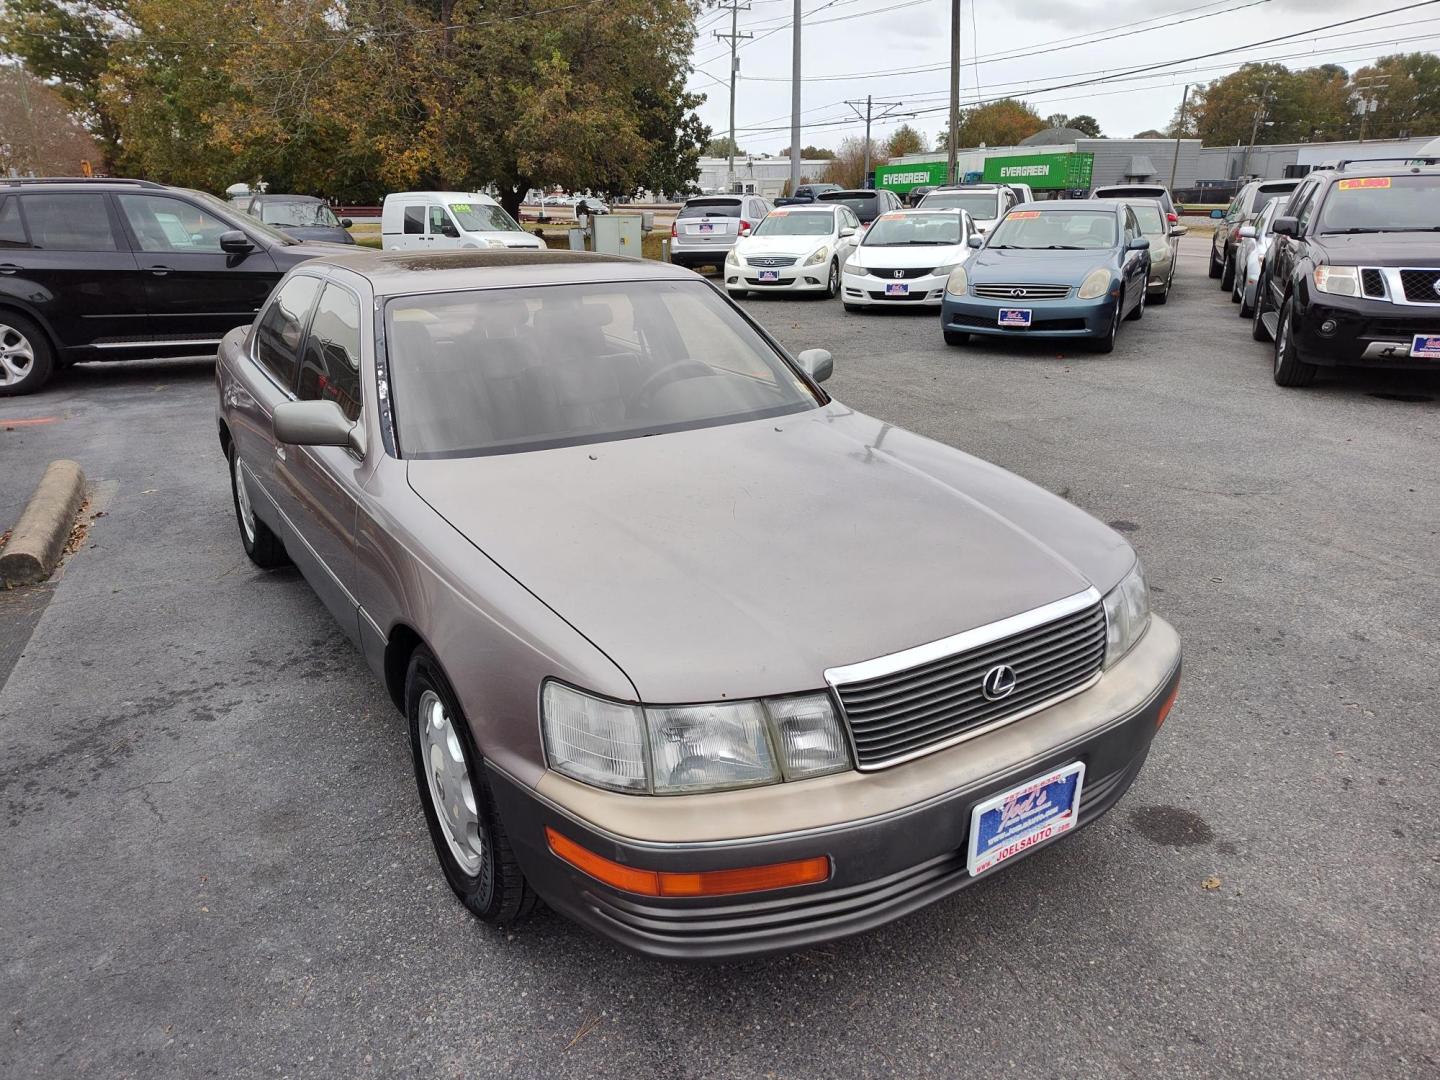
<point>1405,90</point>
<point>1276,103</point>
<point>1083,122</point>
<point>1000,123</point>
<point>811,153</point>
<point>719,146</point>
<point>904,140</point>
<point>1150,133</point>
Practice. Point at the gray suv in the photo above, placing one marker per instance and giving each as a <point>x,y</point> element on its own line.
<point>1242,211</point>
<point>707,227</point>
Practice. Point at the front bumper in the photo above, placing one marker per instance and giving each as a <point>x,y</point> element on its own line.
<point>897,838</point>
<point>1068,318</point>
<point>1366,333</point>
<point>865,289</point>
<point>794,278</point>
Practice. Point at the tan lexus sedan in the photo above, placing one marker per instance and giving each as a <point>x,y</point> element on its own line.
<point>704,659</point>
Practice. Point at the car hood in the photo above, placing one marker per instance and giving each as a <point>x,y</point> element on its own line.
<point>331,233</point>
<point>1058,267</point>
<point>745,559</point>
<point>288,255</point>
<point>781,245</point>
<point>907,257</point>
<point>1381,249</point>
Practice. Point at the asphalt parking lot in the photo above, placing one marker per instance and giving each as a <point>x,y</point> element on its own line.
<point>213,860</point>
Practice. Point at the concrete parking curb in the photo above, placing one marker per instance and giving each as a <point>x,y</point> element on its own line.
<point>38,539</point>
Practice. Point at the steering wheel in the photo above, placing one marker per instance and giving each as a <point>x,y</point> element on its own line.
<point>687,368</point>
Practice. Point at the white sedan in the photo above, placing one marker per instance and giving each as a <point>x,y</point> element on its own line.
<point>794,249</point>
<point>906,257</point>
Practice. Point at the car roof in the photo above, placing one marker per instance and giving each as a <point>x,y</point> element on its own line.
<point>269,197</point>
<point>442,195</point>
<point>806,208</point>
<point>393,273</point>
<point>717,198</point>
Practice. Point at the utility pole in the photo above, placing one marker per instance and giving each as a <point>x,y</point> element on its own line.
<point>734,37</point>
<point>1179,131</point>
<point>1368,88</point>
<point>953,141</point>
<point>889,108</point>
<point>1254,130</point>
<point>795,102</point>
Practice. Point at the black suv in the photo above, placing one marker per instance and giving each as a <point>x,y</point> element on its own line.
<point>121,269</point>
<point>1353,275</point>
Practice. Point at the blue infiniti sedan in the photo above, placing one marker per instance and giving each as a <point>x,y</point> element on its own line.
<point>1051,270</point>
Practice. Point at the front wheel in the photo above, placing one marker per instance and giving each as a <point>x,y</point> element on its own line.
<point>1257,315</point>
<point>263,546</point>
<point>1290,370</point>
<point>1227,277</point>
<point>1247,307</point>
<point>854,307</point>
<point>1139,312</point>
<point>832,283</point>
<point>25,357</point>
<point>956,337</point>
<point>471,843</point>
<point>1216,266</point>
<point>1106,344</point>
<point>1163,296</point>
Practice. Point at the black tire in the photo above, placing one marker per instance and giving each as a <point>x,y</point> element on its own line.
<point>832,283</point>
<point>1238,285</point>
<point>497,892</point>
<point>1257,321</point>
<point>1138,312</point>
<point>956,337</point>
<point>1216,267</point>
<point>263,546</point>
<point>1163,296</point>
<point>855,307</point>
<point>1106,344</point>
<point>1227,276</point>
<point>1290,370</point>
<point>1246,309</point>
<point>26,359</point>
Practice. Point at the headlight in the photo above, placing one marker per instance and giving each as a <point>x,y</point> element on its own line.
<point>1096,284</point>
<point>852,267</point>
<point>732,258</point>
<point>944,271</point>
<point>958,283</point>
<point>819,257</point>
<point>1338,280</point>
<point>690,748</point>
<point>1127,614</point>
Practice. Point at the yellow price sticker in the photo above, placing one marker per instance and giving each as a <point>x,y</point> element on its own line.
<point>1364,182</point>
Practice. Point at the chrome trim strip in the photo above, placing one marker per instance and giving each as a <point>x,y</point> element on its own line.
<point>152,343</point>
<point>1388,350</point>
<point>1396,286</point>
<point>962,642</point>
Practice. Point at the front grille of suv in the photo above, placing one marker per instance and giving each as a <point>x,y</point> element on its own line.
<point>1420,285</point>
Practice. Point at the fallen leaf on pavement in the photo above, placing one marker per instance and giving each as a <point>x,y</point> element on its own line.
<point>1210,883</point>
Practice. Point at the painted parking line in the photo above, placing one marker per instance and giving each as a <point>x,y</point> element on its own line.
<point>28,421</point>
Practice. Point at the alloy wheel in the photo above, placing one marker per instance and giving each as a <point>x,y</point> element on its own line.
<point>451,792</point>
<point>242,499</point>
<point>17,356</point>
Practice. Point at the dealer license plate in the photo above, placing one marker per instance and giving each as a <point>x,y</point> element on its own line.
<point>1426,346</point>
<point>1013,822</point>
<point>1014,316</point>
<point>705,226</point>
<point>897,288</point>
<point>769,275</point>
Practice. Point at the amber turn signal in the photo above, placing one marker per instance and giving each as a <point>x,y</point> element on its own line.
<point>782,875</point>
<point>1167,705</point>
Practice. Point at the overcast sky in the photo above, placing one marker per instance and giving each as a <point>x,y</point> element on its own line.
<point>1069,40</point>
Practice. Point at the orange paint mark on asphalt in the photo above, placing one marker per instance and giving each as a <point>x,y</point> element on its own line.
<point>30,421</point>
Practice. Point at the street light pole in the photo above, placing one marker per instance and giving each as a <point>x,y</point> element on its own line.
<point>734,37</point>
<point>1254,130</point>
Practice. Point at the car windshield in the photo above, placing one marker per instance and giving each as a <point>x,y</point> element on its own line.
<point>1130,193</point>
<point>253,224</point>
<point>809,223</point>
<point>502,371</point>
<point>483,217</point>
<point>710,208</point>
<point>1152,221</point>
<point>983,205</point>
<point>1382,204</point>
<point>299,214</point>
<point>921,229</point>
<point>1055,229</point>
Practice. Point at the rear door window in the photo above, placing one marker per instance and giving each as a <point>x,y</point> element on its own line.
<point>68,221</point>
<point>277,338</point>
<point>12,229</point>
<point>415,220</point>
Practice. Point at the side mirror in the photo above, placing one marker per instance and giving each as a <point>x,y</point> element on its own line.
<point>817,363</point>
<point>847,231</point>
<point>316,423</point>
<point>1218,215</point>
<point>1247,232</point>
<point>1140,243</point>
<point>346,222</point>
<point>976,240</point>
<point>1285,226</point>
<point>1179,230</point>
<point>235,242</point>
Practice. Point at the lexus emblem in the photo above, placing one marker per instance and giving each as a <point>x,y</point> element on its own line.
<point>898,274</point>
<point>999,682</point>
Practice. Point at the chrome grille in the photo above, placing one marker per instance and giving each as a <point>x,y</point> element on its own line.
<point>1021,292</point>
<point>769,262</point>
<point>902,274</point>
<point>1420,286</point>
<point>897,715</point>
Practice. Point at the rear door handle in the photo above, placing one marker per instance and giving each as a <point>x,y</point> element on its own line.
<point>159,270</point>
<point>9,268</point>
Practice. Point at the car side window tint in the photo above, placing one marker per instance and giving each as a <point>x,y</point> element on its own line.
<point>68,222</point>
<point>277,338</point>
<point>1304,211</point>
<point>330,364</point>
<point>415,220</point>
<point>12,229</point>
<point>162,223</point>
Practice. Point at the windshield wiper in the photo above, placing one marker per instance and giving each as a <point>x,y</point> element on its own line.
<point>1344,232</point>
<point>1064,247</point>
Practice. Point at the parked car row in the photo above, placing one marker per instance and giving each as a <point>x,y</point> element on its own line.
<point>1340,269</point>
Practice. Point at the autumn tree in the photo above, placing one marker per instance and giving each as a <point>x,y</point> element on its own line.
<point>1150,133</point>
<point>904,140</point>
<point>848,166</point>
<point>720,146</point>
<point>38,132</point>
<point>1276,103</point>
<point>1000,123</point>
<point>1083,123</point>
<point>1405,91</point>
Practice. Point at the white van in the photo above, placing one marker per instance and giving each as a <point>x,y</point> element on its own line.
<point>448,220</point>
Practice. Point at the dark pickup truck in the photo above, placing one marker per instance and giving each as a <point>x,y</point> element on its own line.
<point>806,193</point>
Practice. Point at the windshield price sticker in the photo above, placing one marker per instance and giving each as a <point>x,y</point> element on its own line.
<point>1024,215</point>
<point>460,207</point>
<point>892,216</point>
<point>1364,182</point>
<point>778,213</point>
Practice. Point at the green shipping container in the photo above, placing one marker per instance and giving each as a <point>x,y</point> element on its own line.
<point>1043,172</point>
<point>901,178</point>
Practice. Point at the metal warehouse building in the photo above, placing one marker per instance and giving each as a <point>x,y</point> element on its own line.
<point>1295,159</point>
